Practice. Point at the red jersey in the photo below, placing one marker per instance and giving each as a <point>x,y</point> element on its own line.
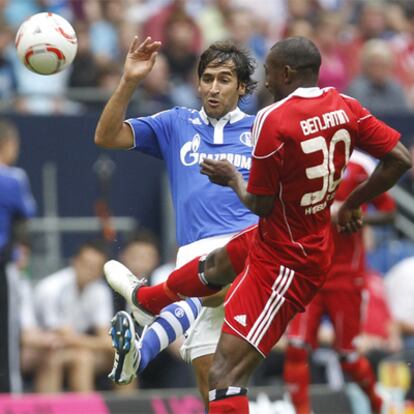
<point>348,264</point>
<point>302,146</point>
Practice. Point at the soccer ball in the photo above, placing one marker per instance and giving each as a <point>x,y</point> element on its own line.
<point>46,43</point>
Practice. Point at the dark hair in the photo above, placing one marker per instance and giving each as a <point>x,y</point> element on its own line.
<point>98,245</point>
<point>299,53</point>
<point>143,236</point>
<point>220,52</point>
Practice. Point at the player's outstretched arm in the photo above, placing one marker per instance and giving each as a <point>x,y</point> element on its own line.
<point>388,171</point>
<point>111,131</point>
<point>224,173</point>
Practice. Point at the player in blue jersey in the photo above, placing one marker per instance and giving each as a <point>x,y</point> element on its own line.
<point>207,216</point>
<point>16,204</point>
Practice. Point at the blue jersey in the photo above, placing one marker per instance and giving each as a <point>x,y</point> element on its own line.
<point>183,137</point>
<point>16,200</point>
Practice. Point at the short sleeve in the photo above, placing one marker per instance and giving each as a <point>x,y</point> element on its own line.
<point>27,308</point>
<point>374,136</point>
<point>102,306</point>
<point>45,307</point>
<point>152,134</point>
<point>266,157</point>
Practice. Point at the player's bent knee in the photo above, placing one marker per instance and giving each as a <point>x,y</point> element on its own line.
<point>218,268</point>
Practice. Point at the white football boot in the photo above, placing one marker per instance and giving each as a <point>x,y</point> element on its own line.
<point>127,345</point>
<point>122,281</point>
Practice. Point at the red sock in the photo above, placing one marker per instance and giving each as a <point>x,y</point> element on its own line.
<point>239,404</point>
<point>297,377</point>
<point>182,282</point>
<point>361,372</point>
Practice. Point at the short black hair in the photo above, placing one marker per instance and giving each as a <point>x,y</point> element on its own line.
<point>299,53</point>
<point>219,52</point>
<point>98,245</point>
<point>143,236</point>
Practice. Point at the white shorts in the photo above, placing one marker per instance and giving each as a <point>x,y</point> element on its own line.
<point>203,335</point>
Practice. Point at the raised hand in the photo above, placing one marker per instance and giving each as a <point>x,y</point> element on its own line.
<point>140,59</point>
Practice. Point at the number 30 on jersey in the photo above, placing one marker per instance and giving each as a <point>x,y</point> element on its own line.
<point>326,170</point>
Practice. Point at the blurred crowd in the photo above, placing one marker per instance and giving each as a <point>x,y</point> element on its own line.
<point>367,48</point>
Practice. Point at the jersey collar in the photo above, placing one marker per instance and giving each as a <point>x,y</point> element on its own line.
<point>311,92</point>
<point>232,117</point>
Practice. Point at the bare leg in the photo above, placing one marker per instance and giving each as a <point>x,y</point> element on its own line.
<point>81,372</point>
<point>49,375</point>
<point>234,361</point>
<point>202,367</point>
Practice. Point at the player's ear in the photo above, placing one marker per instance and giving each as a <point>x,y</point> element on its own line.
<point>242,89</point>
<point>288,74</point>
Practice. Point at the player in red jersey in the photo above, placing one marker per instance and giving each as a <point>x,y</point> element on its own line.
<point>302,145</point>
<point>340,298</point>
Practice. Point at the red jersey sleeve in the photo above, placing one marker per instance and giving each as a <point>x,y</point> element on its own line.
<point>266,157</point>
<point>374,137</point>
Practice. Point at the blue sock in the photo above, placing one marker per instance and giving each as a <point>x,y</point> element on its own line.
<point>170,324</point>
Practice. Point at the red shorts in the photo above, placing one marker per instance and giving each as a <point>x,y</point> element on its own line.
<point>263,299</point>
<point>344,308</point>
<point>238,247</point>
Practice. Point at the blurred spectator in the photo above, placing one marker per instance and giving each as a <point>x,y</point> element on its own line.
<point>299,27</point>
<point>341,28</point>
<point>34,340</point>
<point>242,31</point>
<point>399,284</point>
<point>7,75</point>
<point>241,25</point>
<point>155,25</point>
<point>376,88</point>
<point>212,21</point>
<point>76,305</point>
<point>104,33</point>
<point>270,16</point>
<point>180,30</point>
<point>126,31</point>
<point>371,24</point>
<point>379,330</point>
<point>108,77</point>
<point>403,47</point>
<point>84,70</point>
<point>396,18</point>
<point>326,36</point>
<point>141,254</point>
<point>16,205</point>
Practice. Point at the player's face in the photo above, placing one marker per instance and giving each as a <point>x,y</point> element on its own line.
<point>141,258</point>
<point>220,89</point>
<point>88,265</point>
